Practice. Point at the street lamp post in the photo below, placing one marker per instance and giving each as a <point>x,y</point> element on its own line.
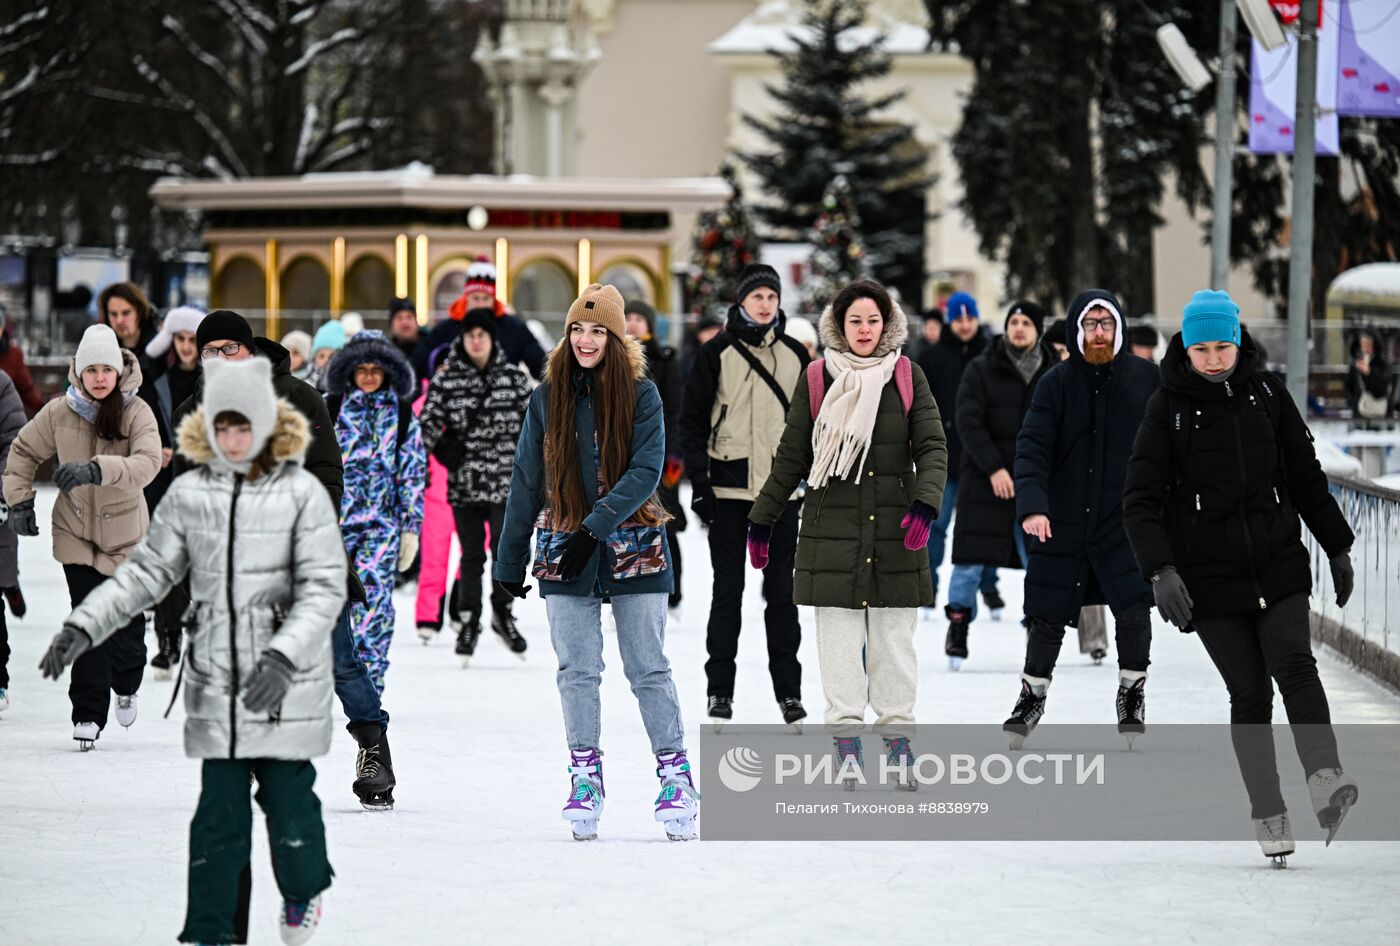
<point>1304,173</point>
<point>1222,207</point>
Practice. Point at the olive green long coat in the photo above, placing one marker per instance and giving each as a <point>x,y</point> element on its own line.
<point>850,550</point>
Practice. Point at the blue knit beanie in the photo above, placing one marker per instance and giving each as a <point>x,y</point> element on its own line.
<point>1210,316</point>
<point>330,335</point>
<point>960,304</point>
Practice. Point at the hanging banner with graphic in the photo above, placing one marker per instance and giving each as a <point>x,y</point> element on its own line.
<point>1273,87</point>
<point>1369,57</point>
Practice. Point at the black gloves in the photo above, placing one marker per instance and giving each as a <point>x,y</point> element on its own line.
<point>1173,600</point>
<point>516,589</point>
<point>449,451</point>
<point>23,519</point>
<point>580,548</point>
<point>1343,576</point>
<point>67,646</point>
<point>702,503</point>
<point>268,683</point>
<point>69,476</point>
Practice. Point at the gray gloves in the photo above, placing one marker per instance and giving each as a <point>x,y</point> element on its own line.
<point>1173,600</point>
<point>23,519</point>
<point>67,646</point>
<point>1343,577</point>
<point>69,476</point>
<point>268,683</point>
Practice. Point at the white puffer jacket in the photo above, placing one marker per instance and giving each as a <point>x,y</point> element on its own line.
<point>278,537</point>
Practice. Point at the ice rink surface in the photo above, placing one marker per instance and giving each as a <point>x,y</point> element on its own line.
<point>93,845</point>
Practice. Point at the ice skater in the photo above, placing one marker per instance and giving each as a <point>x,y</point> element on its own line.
<point>1221,473</point>
<point>585,476</point>
<point>471,424</point>
<point>865,435</point>
<point>1071,459</point>
<point>258,538</point>
<point>107,445</point>
<point>381,511</point>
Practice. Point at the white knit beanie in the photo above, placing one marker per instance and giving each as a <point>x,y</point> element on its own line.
<point>244,387</point>
<point>184,318</point>
<point>98,347</point>
<point>298,341</point>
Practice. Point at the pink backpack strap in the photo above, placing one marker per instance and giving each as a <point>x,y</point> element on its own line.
<point>904,382</point>
<point>816,385</point>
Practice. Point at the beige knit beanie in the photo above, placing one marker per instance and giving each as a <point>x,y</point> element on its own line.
<point>601,304</point>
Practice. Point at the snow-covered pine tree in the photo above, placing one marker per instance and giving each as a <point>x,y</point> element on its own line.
<point>724,242</point>
<point>838,256</point>
<point>825,124</point>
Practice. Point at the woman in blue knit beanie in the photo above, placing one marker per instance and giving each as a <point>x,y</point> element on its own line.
<point>1222,472</point>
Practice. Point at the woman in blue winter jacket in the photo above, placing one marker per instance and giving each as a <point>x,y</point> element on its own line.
<point>371,389</point>
<point>601,534</point>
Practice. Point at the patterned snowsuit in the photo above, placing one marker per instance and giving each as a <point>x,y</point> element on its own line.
<point>383,499</point>
<point>385,466</point>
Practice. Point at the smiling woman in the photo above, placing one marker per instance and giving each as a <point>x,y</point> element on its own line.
<point>585,476</point>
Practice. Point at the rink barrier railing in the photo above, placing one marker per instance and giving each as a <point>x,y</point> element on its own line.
<point>1367,630</point>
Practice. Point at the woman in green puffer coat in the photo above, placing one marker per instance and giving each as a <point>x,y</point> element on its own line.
<point>865,434</point>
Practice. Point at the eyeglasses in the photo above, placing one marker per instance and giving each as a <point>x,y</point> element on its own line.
<point>1093,325</point>
<point>228,351</point>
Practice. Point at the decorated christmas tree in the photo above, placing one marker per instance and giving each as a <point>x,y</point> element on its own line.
<point>838,255</point>
<point>724,243</point>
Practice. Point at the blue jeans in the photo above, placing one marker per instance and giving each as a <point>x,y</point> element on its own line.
<point>358,697</point>
<point>576,631</point>
<point>967,580</point>
<point>938,541</point>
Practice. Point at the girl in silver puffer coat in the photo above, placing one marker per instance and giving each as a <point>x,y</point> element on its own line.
<point>260,541</point>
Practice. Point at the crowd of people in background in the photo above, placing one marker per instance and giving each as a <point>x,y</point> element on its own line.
<point>264,498</point>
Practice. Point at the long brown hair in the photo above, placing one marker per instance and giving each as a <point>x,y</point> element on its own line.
<point>614,385</point>
<point>109,413</point>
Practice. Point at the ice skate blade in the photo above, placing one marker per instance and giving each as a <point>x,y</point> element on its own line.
<point>909,786</point>
<point>719,723</point>
<point>680,829</point>
<point>955,663</point>
<point>1015,741</point>
<point>161,673</point>
<point>996,614</point>
<point>1280,861</point>
<point>848,785</point>
<point>375,804</point>
<point>1128,737</point>
<point>466,660</point>
<point>1332,816</point>
<point>86,745</point>
<point>795,727</point>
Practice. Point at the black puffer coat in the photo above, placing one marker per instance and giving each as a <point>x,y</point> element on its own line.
<point>992,403</point>
<point>1220,474</point>
<point>944,364</point>
<point>483,410</point>
<point>1071,461</point>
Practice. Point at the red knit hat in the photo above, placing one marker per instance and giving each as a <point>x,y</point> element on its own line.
<point>481,277</point>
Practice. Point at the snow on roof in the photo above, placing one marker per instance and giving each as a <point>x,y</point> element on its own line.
<point>771,28</point>
<point>1372,279</point>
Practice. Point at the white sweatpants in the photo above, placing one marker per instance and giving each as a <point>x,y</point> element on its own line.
<point>889,680</point>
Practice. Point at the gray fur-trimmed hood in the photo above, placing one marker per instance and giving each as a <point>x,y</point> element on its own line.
<point>895,335</point>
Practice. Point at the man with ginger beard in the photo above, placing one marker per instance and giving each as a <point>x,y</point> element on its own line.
<point>1071,462</point>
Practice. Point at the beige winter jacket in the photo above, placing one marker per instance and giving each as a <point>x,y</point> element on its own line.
<point>92,525</point>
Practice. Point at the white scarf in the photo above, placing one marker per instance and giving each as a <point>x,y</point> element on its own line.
<point>841,434</point>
